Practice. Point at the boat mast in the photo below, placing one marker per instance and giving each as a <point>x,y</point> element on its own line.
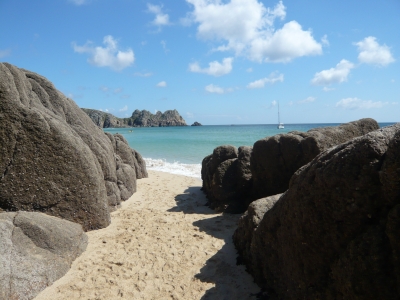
<point>279,119</point>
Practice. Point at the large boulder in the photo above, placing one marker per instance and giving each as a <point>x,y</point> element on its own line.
<point>53,158</point>
<point>334,233</point>
<point>248,224</point>
<point>35,251</point>
<point>227,178</point>
<point>275,159</point>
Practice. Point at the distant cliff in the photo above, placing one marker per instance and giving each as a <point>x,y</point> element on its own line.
<point>103,119</point>
<point>139,118</point>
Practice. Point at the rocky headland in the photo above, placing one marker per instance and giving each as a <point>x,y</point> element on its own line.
<point>196,124</point>
<point>139,118</point>
<point>54,161</point>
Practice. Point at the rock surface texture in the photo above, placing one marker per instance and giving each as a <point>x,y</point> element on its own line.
<point>275,159</point>
<point>233,181</point>
<point>139,118</point>
<point>35,251</point>
<point>53,158</point>
<point>145,118</point>
<point>334,233</point>
<point>227,178</point>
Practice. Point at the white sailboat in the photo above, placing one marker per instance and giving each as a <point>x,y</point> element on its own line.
<point>280,125</point>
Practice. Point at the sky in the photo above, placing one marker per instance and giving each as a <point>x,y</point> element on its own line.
<point>215,61</point>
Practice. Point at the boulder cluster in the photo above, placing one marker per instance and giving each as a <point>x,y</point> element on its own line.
<point>233,178</point>
<point>323,210</point>
<point>334,233</point>
<point>53,161</point>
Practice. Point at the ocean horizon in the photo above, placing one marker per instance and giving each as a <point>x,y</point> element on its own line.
<point>180,150</point>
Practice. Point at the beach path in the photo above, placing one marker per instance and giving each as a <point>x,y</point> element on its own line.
<point>163,243</point>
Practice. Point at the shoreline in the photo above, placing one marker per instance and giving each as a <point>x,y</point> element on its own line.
<point>163,243</point>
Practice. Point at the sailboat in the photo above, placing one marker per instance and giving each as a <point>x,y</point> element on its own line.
<point>280,125</point>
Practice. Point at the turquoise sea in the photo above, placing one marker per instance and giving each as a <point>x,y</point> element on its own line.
<point>180,150</point>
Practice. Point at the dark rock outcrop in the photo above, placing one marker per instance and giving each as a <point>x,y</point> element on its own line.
<point>196,124</point>
<point>227,178</point>
<point>35,251</point>
<point>267,168</point>
<point>248,224</point>
<point>275,159</point>
<point>53,158</point>
<point>104,119</point>
<point>334,233</point>
<point>139,118</point>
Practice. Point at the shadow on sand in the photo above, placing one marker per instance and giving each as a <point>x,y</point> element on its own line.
<point>231,281</point>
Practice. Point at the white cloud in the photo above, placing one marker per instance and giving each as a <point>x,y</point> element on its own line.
<point>337,74</point>
<point>161,19</point>
<point>373,53</point>
<point>271,79</point>
<point>162,84</point>
<point>307,100</point>
<point>247,27</point>
<point>356,103</point>
<point>4,53</point>
<point>108,56</point>
<point>285,44</point>
<point>249,70</point>
<point>189,115</point>
<point>215,68</point>
<point>211,88</point>
<point>125,108</point>
<point>117,90</point>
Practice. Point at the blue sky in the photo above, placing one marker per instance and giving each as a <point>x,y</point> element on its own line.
<point>216,62</point>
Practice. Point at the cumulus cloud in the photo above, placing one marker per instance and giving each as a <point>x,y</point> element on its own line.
<point>248,29</point>
<point>356,103</point>
<point>108,56</point>
<point>271,79</point>
<point>373,53</point>
<point>161,19</point>
<point>211,88</point>
<point>214,68</point>
<point>162,84</point>
<point>337,74</point>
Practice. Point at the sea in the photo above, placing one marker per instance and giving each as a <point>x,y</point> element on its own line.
<point>180,150</point>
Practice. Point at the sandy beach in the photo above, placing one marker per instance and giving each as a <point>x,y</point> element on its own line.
<point>163,243</point>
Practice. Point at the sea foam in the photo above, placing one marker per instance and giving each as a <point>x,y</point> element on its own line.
<point>192,170</point>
